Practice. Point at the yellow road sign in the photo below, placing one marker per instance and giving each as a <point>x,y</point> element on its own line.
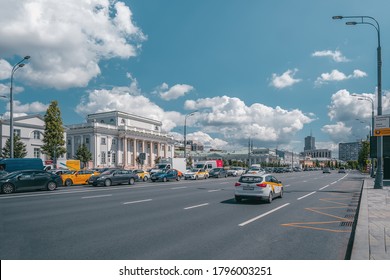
<point>382,132</point>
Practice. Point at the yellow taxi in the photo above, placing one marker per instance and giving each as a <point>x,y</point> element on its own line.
<point>195,174</point>
<point>258,186</point>
<point>142,174</point>
<point>79,177</point>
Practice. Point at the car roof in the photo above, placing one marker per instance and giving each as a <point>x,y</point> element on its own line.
<point>256,175</point>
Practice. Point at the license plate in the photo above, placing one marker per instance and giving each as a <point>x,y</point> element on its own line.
<point>248,188</point>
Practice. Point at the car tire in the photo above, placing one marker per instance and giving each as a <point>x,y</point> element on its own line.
<point>153,180</point>
<point>196,177</point>
<point>68,182</point>
<point>8,188</point>
<point>107,183</point>
<point>270,197</point>
<point>131,181</point>
<point>164,179</point>
<point>238,199</point>
<point>51,186</point>
<point>281,193</point>
<point>145,178</point>
<point>178,178</point>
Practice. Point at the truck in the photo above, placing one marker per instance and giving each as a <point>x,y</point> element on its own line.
<point>170,163</point>
<point>209,164</point>
<point>16,164</point>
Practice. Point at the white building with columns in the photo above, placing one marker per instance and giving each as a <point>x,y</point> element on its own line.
<point>117,139</point>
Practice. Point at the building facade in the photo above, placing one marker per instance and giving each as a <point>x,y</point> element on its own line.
<point>119,139</point>
<point>349,151</point>
<point>30,130</point>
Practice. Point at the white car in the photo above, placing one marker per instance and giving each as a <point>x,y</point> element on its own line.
<point>235,171</point>
<point>255,170</point>
<point>258,186</point>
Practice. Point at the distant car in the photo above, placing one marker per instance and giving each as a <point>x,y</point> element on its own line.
<point>142,174</point>
<point>166,175</point>
<point>326,170</point>
<point>258,186</point>
<point>235,171</point>
<point>342,170</point>
<point>218,172</point>
<point>113,177</point>
<point>195,174</point>
<point>25,180</point>
<point>79,177</point>
<point>255,170</point>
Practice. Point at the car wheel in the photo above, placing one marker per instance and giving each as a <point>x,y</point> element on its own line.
<point>107,182</point>
<point>178,178</point>
<point>68,182</point>
<point>131,181</point>
<point>51,186</point>
<point>164,179</point>
<point>281,193</point>
<point>153,180</point>
<point>8,188</point>
<point>270,197</point>
<point>238,199</point>
<point>145,178</point>
<point>196,177</point>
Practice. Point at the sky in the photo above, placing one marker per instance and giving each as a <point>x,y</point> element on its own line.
<point>270,71</point>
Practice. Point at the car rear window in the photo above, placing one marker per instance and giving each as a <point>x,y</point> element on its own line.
<point>250,179</point>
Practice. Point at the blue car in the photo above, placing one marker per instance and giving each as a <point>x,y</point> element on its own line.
<point>165,175</point>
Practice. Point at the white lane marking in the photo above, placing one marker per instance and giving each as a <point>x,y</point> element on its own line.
<point>333,183</point>
<point>262,215</point>
<point>137,201</point>
<point>306,195</point>
<point>214,190</point>
<point>324,187</point>
<point>178,188</point>
<point>96,196</point>
<point>287,185</point>
<point>304,181</point>
<point>195,206</point>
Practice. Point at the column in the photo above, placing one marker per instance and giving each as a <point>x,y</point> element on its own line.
<point>134,152</point>
<point>151,153</point>
<point>124,159</point>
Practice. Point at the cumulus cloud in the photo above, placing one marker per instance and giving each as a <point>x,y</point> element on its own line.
<point>26,109</point>
<point>66,39</point>
<point>334,55</point>
<point>338,132</point>
<point>207,141</point>
<point>337,76</point>
<point>174,92</point>
<point>285,80</point>
<point>236,121</point>
<point>126,99</point>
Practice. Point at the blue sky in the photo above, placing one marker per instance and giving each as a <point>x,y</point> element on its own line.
<point>274,71</point>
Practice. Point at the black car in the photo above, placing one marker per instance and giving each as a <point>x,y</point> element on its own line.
<point>113,177</point>
<point>218,172</point>
<point>29,180</point>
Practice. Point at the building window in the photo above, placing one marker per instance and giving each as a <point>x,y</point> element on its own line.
<point>37,152</point>
<point>103,158</point>
<point>113,142</point>
<point>113,158</point>
<point>123,121</point>
<point>17,132</point>
<point>86,140</point>
<point>69,141</point>
<point>102,121</point>
<point>37,135</point>
<point>112,120</point>
<point>103,141</point>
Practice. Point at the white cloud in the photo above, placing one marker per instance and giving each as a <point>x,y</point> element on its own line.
<point>174,92</point>
<point>129,100</point>
<point>206,140</point>
<point>335,55</point>
<point>5,69</point>
<point>284,80</point>
<point>338,132</point>
<point>337,76</point>
<point>66,39</point>
<point>237,121</point>
<point>26,109</point>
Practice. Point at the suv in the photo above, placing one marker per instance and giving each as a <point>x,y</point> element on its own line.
<point>165,175</point>
<point>342,170</point>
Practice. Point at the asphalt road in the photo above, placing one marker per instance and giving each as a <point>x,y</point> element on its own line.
<point>183,220</point>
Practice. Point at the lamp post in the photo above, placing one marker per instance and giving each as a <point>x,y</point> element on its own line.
<point>373,22</point>
<point>17,66</point>
<point>185,133</point>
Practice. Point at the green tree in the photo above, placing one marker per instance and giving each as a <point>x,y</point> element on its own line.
<point>53,136</point>
<point>83,154</point>
<point>364,154</point>
<point>19,148</point>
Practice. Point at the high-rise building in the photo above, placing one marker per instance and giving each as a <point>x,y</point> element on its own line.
<point>349,151</point>
<point>310,143</point>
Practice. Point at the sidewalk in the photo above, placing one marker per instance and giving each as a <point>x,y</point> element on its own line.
<point>372,236</point>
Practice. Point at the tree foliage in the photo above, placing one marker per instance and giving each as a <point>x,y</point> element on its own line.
<point>364,154</point>
<point>53,136</point>
<point>83,154</point>
<point>19,148</point>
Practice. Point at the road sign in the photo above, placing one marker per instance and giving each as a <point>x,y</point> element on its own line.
<point>382,132</point>
<point>382,121</point>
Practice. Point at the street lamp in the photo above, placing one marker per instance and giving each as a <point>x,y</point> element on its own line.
<point>373,22</point>
<point>17,66</point>
<point>185,133</point>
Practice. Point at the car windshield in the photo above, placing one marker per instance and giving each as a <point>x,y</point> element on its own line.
<point>194,170</point>
<point>250,179</point>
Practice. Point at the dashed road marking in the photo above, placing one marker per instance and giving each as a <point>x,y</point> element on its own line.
<point>196,206</point>
<point>306,195</point>
<point>137,201</point>
<point>262,215</point>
